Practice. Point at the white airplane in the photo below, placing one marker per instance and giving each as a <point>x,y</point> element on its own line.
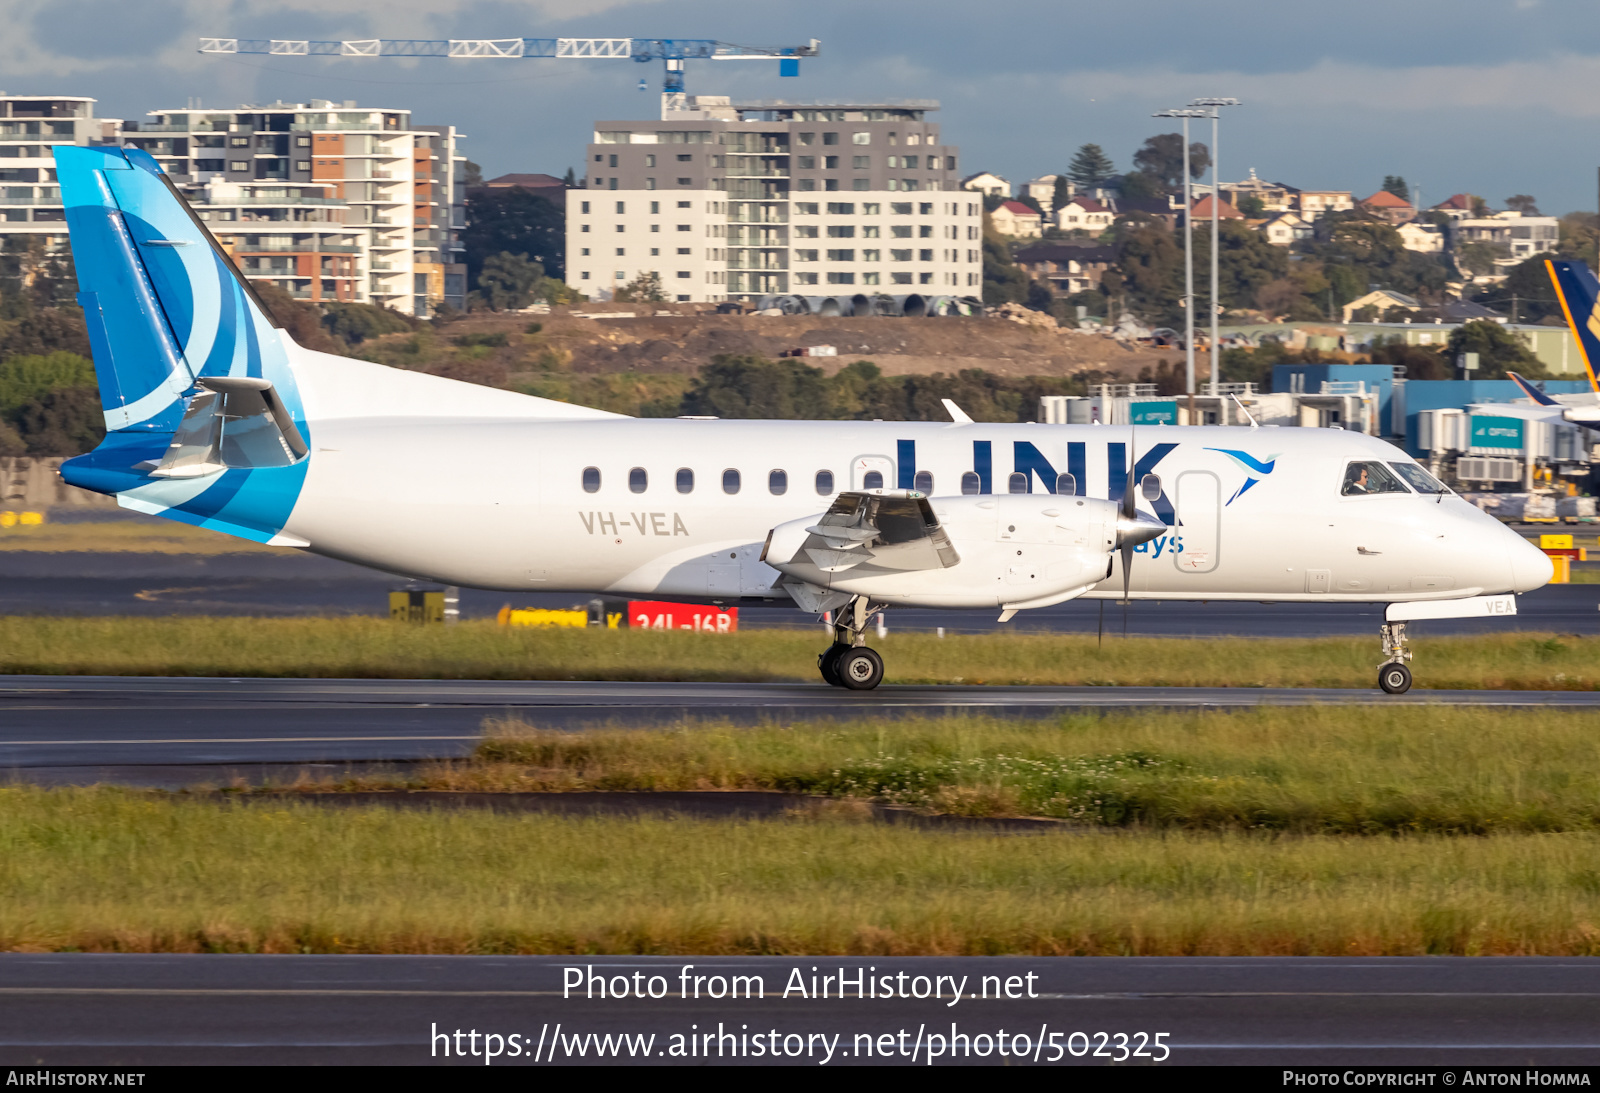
<point>216,418</point>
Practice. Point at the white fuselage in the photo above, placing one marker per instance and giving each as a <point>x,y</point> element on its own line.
<point>493,496</point>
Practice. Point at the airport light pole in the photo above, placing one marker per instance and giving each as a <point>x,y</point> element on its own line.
<point>1188,253</point>
<point>1214,106</point>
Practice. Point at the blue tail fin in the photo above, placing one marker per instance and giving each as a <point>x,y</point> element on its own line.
<point>1579,293</point>
<point>173,327</point>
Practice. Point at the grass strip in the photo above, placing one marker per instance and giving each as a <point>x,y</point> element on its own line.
<point>119,871</point>
<point>374,648</point>
<point>1317,770</point>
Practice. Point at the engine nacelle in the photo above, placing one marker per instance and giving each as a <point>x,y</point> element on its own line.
<point>991,550</point>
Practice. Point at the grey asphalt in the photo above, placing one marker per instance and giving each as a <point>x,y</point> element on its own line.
<point>80,583</point>
<point>83,727</point>
<point>132,1010</point>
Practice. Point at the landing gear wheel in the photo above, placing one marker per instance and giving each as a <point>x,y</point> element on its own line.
<point>1395,678</point>
<point>828,664</point>
<point>859,669</point>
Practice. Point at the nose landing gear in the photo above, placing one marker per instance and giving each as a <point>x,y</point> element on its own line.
<point>848,662</point>
<point>1393,675</point>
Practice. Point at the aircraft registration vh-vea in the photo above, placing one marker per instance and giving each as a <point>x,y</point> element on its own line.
<point>216,418</point>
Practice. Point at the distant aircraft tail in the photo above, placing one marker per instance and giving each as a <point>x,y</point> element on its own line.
<point>1538,397</point>
<point>1579,293</point>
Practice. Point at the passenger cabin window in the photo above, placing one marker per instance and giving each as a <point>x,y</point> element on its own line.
<point>824,483</point>
<point>872,480</point>
<point>638,480</point>
<point>778,483</point>
<point>1370,477</point>
<point>970,483</point>
<point>924,482</point>
<point>591,480</point>
<point>685,480</point>
<point>1419,479</point>
<point>730,481</point>
<point>1150,486</point>
<point>1019,482</point>
<point>1066,485</point>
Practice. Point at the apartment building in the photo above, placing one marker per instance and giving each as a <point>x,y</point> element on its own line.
<point>737,201</point>
<point>298,237</point>
<point>1520,237</point>
<point>396,183</point>
<point>30,127</point>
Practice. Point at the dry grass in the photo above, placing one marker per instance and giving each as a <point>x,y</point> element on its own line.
<point>379,649</point>
<point>109,870</point>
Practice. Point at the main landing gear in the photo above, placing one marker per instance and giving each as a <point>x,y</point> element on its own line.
<point>848,662</point>
<point>1393,675</point>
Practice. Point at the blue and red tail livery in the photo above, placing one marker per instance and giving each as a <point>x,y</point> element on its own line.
<point>1578,291</point>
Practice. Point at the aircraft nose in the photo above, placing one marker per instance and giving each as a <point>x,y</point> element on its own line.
<point>1530,567</point>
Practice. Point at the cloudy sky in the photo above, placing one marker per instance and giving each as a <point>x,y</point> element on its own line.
<point>1492,97</point>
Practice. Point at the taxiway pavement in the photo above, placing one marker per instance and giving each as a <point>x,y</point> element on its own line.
<point>98,724</point>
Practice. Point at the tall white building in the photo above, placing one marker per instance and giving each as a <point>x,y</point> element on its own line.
<point>30,127</point>
<point>739,201</point>
<point>396,182</point>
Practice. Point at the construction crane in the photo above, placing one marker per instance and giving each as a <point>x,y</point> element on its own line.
<point>672,52</point>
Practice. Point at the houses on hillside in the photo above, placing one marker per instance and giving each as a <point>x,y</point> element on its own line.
<point>1015,218</point>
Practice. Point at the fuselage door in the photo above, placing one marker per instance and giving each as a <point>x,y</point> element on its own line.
<point>1199,504</point>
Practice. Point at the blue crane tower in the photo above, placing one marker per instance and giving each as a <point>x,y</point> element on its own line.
<point>672,52</point>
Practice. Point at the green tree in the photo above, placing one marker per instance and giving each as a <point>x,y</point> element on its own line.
<point>1420,362</point>
<point>1003,282</point>
<point>1162,159</point>
<point>64,421</point>
<point>1030,201</point>
<point>1060,197</point>
<point>1580,237</point>
<point>1526,291</point>
<point>734,386</point>
<point>1150,274</point>
<point>1395,184</point>
<point>508,280</point>
<point>1499,350</point>
<point>514,220</point>
<point>46,331</point>
<point>471,174</point>
<point>1246,263</point>
<point>570,179</point>
<point>643,289</point>
<point>1090,167</point>
<point>1251,207</point>
<point>1524,204</point>
<point>27,377</point>
<point>1477,258</point>
<point>355,323</point>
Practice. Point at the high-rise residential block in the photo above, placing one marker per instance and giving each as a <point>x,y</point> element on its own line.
<point>738,201</point>
<point>331,201</point>
<point>30,126</point>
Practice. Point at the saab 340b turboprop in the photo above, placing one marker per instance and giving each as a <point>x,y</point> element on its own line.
<point>216,418</point>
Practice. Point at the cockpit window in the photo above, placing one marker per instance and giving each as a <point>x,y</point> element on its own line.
<point>1419,479</point>
<point>1372,477</point>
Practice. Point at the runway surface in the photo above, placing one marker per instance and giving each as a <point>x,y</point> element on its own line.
<point>83,583</point>
<point>154,1009</point>
<point>75,728</point>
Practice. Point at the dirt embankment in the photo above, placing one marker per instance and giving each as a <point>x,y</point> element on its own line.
<point>672,339</point>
